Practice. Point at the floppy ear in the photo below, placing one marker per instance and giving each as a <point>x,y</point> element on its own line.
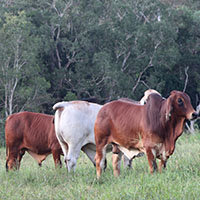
<point>169,109</point>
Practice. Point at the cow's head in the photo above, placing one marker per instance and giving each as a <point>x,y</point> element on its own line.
<point>179,104</point>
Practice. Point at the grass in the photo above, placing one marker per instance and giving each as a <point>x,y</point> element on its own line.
<point>181,179</point>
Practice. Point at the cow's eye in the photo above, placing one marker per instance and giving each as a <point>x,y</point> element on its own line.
<point>180,102</point>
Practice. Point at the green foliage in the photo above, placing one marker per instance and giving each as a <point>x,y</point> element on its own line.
<point>65,50</point>
<point>22,82</point>
<point>70,97</point>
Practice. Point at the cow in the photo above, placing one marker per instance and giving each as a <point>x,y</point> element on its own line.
<point>152,128</point>
<point>74,127</point>
<point>31,132</point>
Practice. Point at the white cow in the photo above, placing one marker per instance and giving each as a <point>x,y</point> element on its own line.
<point>74,127</point>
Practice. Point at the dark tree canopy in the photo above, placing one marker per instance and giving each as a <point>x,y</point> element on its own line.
<point>95,50</point>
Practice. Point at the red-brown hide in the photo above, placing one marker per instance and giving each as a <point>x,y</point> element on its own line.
<point>32,132</point>
<point>152,128</point>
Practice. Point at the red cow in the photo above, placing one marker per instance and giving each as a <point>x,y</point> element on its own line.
<point>31,132</point>
<point>152,128</point>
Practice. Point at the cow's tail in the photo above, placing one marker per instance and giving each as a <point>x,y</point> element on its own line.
<point>7,150</point>
<point>60,105</point>
<point>6,158</point>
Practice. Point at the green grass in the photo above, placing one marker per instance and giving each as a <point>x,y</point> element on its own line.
<point>181,179</point>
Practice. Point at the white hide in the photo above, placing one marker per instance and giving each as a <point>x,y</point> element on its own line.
<point>74,125</point>
<point>129,153</point>
<point>143,100</point>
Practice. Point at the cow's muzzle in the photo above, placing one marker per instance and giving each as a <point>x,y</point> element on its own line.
<point>195,115</point>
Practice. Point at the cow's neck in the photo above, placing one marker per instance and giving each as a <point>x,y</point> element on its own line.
<point>174,130</point>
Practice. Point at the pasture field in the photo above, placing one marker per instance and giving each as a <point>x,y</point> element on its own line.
<point>180,181</point>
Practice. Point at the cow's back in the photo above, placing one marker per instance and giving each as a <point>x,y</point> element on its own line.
<point>76,120</point>
<point>33,131</point>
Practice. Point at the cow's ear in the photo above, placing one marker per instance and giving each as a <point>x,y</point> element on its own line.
<point>169,109</point>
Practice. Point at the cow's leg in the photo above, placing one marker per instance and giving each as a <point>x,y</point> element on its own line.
<point>19,157</point>
<point>100,158</point>
<point>116,162</point>
<point>162,164</point>
<point>56,157</point>
<point>151,159</point>
<point>12,160</point>
<point>64,147</point>
<point>127,162</point>
<point>90,151</point>
<point>72,156</point>
<point>116,159</point>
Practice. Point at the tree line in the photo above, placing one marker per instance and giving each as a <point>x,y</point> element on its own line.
<point>98,50</point>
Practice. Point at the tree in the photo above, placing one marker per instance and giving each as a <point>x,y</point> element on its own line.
<point>21,82</point>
